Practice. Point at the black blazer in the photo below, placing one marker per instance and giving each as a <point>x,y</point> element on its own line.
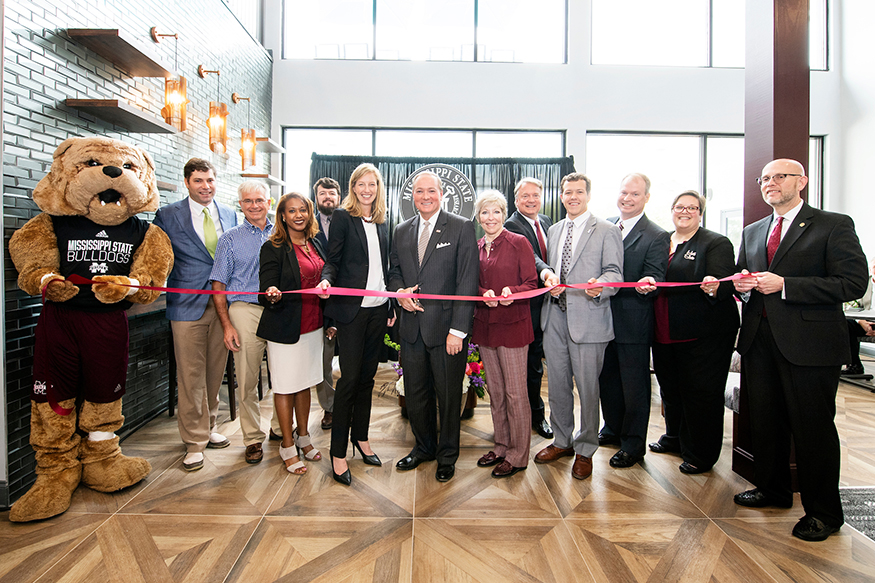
<point>517,223</point>
<point>691,312</point>
<point>823,265</point>
<point>645,253</point>
<point>281,322</point>
<point>321,236</point>
<point>347,263</point>
<point>451,265</point>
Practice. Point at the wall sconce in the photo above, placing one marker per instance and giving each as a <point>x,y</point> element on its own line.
<point>247,134</point>
<point>218,120</point>
<point>175,110</point>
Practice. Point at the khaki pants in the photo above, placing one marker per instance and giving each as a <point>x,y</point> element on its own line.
<point>247,362</point>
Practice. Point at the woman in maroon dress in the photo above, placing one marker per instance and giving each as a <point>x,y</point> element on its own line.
<point>503,329</point>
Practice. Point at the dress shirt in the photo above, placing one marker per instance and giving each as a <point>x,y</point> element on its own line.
<point>325,220</point>
<point>375,269</point>
<point>431,223</point>
<point>789,217</point>
<point>197,217</point>
<point>579,224</point>
<point>236,264</point>
<point>628,224</point>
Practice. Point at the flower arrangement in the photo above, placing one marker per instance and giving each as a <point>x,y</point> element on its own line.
<point>475,374</point>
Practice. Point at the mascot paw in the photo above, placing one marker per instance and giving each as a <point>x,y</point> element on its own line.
<point>115,473</point>
<point>108,291</point>
<point>49,496</point>
<point>61,290</point>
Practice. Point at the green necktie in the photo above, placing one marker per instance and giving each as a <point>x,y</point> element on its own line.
<point>210,236</point>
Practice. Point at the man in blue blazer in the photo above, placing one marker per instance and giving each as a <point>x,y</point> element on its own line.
<point>194,225</point>
<point>793,342</point>
<point>624,383</point>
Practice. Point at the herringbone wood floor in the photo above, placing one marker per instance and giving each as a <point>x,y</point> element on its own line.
<point>237,522</point>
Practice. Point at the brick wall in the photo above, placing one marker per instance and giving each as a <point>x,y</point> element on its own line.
<point>43,67</point>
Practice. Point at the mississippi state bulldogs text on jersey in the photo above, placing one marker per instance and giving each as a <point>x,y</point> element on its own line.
<point>89,249</point>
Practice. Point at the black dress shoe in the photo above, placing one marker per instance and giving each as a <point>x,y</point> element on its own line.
<point>624,459</point>
<point>608,439</point>
<point>688,468</point>
<point>756,498</point>
<point>853,369</point>
<point>371,460</point>
<point>543,429</point>
<point>813,529</point>
<point>659,447</point>
<point>410,461</point>
<point>445,473</point>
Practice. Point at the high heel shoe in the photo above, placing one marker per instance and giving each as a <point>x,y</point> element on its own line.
<point>302,442</point>
<point>345,478</point>
<point>371,460</point>
<point>298,468</point>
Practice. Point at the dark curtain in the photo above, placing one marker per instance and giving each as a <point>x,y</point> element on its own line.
<point>500,174</point>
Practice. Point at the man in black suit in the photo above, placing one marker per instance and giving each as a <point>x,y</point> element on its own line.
<point>528,221</point>
<point>624,383</point>
<point>435,253</point>
<point>327,196</point>
<point>804,263</point>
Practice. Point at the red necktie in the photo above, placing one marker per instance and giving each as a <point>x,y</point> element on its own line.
<point>774,240</point>
<point>541,243</point>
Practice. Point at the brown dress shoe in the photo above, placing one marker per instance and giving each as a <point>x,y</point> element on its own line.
<point>551,453</point>
<point>327,420</point>
<point>582,467</point>
<point>254,453</point>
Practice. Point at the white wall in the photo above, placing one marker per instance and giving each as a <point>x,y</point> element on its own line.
<point>579,97</point>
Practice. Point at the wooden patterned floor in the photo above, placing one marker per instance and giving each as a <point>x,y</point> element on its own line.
<point>241,523</point>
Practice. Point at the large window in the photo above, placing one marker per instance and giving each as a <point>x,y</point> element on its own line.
<point>684,33</point>
<point>709,164</point>
<point>300,143</point>
<point>520,31</point>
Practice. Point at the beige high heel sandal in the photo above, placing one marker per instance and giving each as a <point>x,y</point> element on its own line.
<point>297,468</point>
<point>302,441</point>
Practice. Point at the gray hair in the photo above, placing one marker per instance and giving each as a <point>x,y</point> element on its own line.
<point>437,179</point>
<point>491,198</point>
<point>252,186</point>
<point>527,180</point>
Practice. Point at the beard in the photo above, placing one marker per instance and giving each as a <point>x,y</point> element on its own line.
<point>325,210</point>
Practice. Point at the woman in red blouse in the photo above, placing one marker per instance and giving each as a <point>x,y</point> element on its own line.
<point>503,329</point>
<point>292,323</point>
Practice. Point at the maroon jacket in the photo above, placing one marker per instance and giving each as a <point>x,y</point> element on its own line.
<point>511,263</point>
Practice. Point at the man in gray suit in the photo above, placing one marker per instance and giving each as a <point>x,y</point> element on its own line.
<point>194,226</point>
<point>435,253</point>
<point>577,323</point>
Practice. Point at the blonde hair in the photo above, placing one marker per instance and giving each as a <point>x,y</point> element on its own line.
<point>491,198</point>
<point>351,203</point>
<point>280,233</point>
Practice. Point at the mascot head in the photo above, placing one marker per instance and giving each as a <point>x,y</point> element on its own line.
<point>104,180</point>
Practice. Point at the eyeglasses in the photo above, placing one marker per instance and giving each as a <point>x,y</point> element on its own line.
<point>253,201</point>
<point>679,208</point>
<point>776,178</point>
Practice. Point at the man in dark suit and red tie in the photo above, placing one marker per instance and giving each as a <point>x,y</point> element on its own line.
<point>434,252</point>
<point>624,383</point>
<point>528,221</point>
<point>793,342</point>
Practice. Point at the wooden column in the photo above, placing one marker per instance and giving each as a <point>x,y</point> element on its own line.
<point>776,125</point>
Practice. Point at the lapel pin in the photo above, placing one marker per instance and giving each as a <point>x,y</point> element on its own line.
<point>801,224</point>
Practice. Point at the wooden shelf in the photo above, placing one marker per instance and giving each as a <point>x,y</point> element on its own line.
<point>268,145</point>
<point>123,115</point>
<point>121,50</point>
<point>168,186</point>
<point>272,180</point>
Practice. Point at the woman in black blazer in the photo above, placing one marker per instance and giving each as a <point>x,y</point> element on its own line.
<point>358,257</point>
<point>292,324</point>
<point>695,334</point>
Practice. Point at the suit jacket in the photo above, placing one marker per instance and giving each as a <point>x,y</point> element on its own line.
<point>823,265</point>
<point>278,266</point>
<point>599,254</point>
<point>347,263</point>
<point>322,236</point>
<point>450,266</point>
<point>192,262</point>
<point>692,312</point>
<point>517,223</point>
<point>645,253</point>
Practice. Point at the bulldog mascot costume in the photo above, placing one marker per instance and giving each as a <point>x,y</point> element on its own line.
<point>88,227</point>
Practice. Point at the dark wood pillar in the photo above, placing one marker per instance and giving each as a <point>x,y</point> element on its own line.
<point>776,125</point>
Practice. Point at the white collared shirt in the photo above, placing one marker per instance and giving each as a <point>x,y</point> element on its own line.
<point>629,224</point>
<point>197,217</point>
<point>789,217</point>
<point>579,225</point>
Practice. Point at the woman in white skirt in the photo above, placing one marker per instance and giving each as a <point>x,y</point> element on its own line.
<point>292,324</point>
